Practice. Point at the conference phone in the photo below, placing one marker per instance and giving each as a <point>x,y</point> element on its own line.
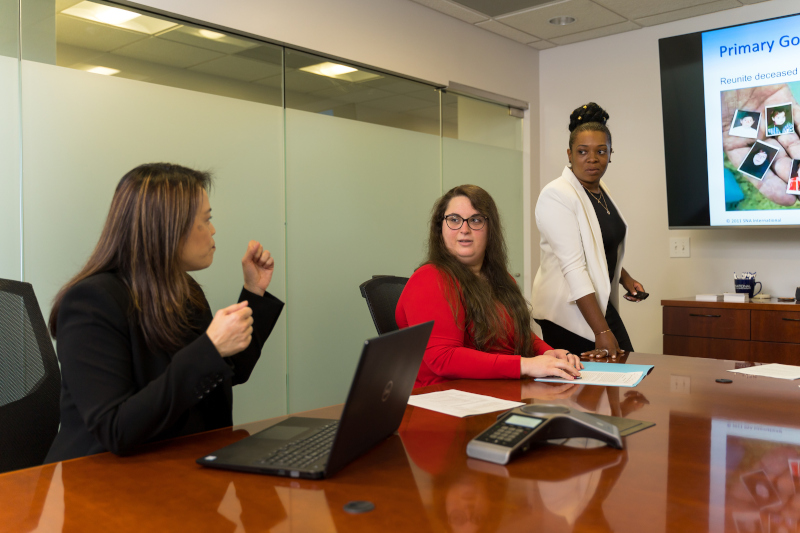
<point>517,430</point>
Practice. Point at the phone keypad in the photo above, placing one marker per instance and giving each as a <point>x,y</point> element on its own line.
<point>506,435</point>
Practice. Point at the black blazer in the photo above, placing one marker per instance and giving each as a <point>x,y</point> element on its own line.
<point>117,394</point>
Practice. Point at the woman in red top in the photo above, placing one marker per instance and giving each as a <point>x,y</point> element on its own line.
<point>482,323</point>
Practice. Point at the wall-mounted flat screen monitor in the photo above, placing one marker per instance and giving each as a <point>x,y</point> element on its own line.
<point>731,121</point>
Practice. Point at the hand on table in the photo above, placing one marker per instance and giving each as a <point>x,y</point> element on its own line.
<point>547,365</point>
<point>605,345</point>
<point>773,185</point>
<point>567,356</point>
<point>257,267</point>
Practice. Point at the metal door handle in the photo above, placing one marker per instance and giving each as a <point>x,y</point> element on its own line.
<point>708,316</point>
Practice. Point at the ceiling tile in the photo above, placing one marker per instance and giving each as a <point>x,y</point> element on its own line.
<point>402,86</point>
<point>599,32</point>
<point>86,34</point>
<point>211,40</point>
<point>272,81</point>
<point>305,82</point>
<point>542,45</point>
<point>266,53</point>
<point>495,8</point>
<point>308,102</point>
<point>689,12</point>
<point>752,1</point>
<point>588,16</point>
<point>399,103</point>
<point>61,5</point>
<point>163,52</point>
<point>507,31</point>
<point>454,10</point>
<point>68,55</point>
<point>636,9</point>
<point>352,93</point>
<point>238,68</point>
<point>431,113</point>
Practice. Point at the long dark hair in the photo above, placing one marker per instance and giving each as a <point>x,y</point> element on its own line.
<point>151,215</point>
<point>478,295</point>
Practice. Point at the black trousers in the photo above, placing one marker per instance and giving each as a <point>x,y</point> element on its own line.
<point>558,337</point>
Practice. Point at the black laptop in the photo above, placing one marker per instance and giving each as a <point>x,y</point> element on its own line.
<point>316,448</point>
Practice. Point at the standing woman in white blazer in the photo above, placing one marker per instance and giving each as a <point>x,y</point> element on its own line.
<point>575,300</point>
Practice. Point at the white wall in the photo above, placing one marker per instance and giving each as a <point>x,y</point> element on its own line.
<point>400,36</point>
<point>621,73</point>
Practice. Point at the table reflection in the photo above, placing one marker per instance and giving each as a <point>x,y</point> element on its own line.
<point>67,492</point>
<point>558,488</point>
<point>755,477</point>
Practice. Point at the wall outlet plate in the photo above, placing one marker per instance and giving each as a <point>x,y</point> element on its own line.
<point>680,247</point>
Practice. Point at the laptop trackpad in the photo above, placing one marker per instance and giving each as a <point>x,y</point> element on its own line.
<point>280,432</point>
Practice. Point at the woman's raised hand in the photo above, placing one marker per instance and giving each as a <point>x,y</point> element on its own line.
<point>257,267</point>
<point>231,329</point>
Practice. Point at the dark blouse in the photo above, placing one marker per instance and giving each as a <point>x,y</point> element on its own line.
<point>611,226</point>
<point>117,393</point>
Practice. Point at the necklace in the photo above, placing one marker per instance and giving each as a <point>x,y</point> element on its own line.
<point>602,203</point>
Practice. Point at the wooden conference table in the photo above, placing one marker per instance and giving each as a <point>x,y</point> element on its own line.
<point>718,459</point>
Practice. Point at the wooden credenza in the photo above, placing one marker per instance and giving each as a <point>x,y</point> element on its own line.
<point>767,331</point>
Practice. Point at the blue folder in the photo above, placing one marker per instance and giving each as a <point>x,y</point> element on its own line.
<point>605,367</point>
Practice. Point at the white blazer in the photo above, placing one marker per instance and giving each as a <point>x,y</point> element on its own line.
<point>573,261</point>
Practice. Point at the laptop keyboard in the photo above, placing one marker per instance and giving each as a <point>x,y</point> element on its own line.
<point>302,453</point>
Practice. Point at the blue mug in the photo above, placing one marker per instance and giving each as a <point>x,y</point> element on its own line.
<point>747,286</point>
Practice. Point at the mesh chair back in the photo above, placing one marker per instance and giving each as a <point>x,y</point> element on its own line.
<point>30,381</point>
<point>382,293</point>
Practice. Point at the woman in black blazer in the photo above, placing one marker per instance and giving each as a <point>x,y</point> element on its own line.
<point>142,358</point>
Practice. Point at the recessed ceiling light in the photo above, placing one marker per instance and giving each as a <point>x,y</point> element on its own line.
<point>121,18</point>
<point>105,71</point>
<point>208,34</point>
<point>342,72</point>
<point>561,21</point>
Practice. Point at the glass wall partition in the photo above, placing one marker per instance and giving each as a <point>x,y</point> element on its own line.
<point>482,145</point>
<point>9,141</point>
<point>139,89</point>
<point>333,167</point>
<point>14,366</point>
<point>362,172</point>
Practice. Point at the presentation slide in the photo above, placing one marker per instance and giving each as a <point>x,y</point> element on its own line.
<point>752,89</point>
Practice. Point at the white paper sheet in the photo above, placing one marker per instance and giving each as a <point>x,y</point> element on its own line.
<point>459,403</point>
<point>773,370</point>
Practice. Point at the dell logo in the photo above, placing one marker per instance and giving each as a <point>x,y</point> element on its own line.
<point>387,390</point>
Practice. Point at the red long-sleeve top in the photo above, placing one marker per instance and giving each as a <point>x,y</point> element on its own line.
<point>451,352</point>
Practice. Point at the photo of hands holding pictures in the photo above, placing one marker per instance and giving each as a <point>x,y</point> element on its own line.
<point>761,144</point>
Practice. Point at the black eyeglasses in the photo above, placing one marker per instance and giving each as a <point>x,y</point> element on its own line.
<point>475,222</point>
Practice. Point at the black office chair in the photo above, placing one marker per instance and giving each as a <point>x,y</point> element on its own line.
<point>30,381</point>
<point>382,293</point>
